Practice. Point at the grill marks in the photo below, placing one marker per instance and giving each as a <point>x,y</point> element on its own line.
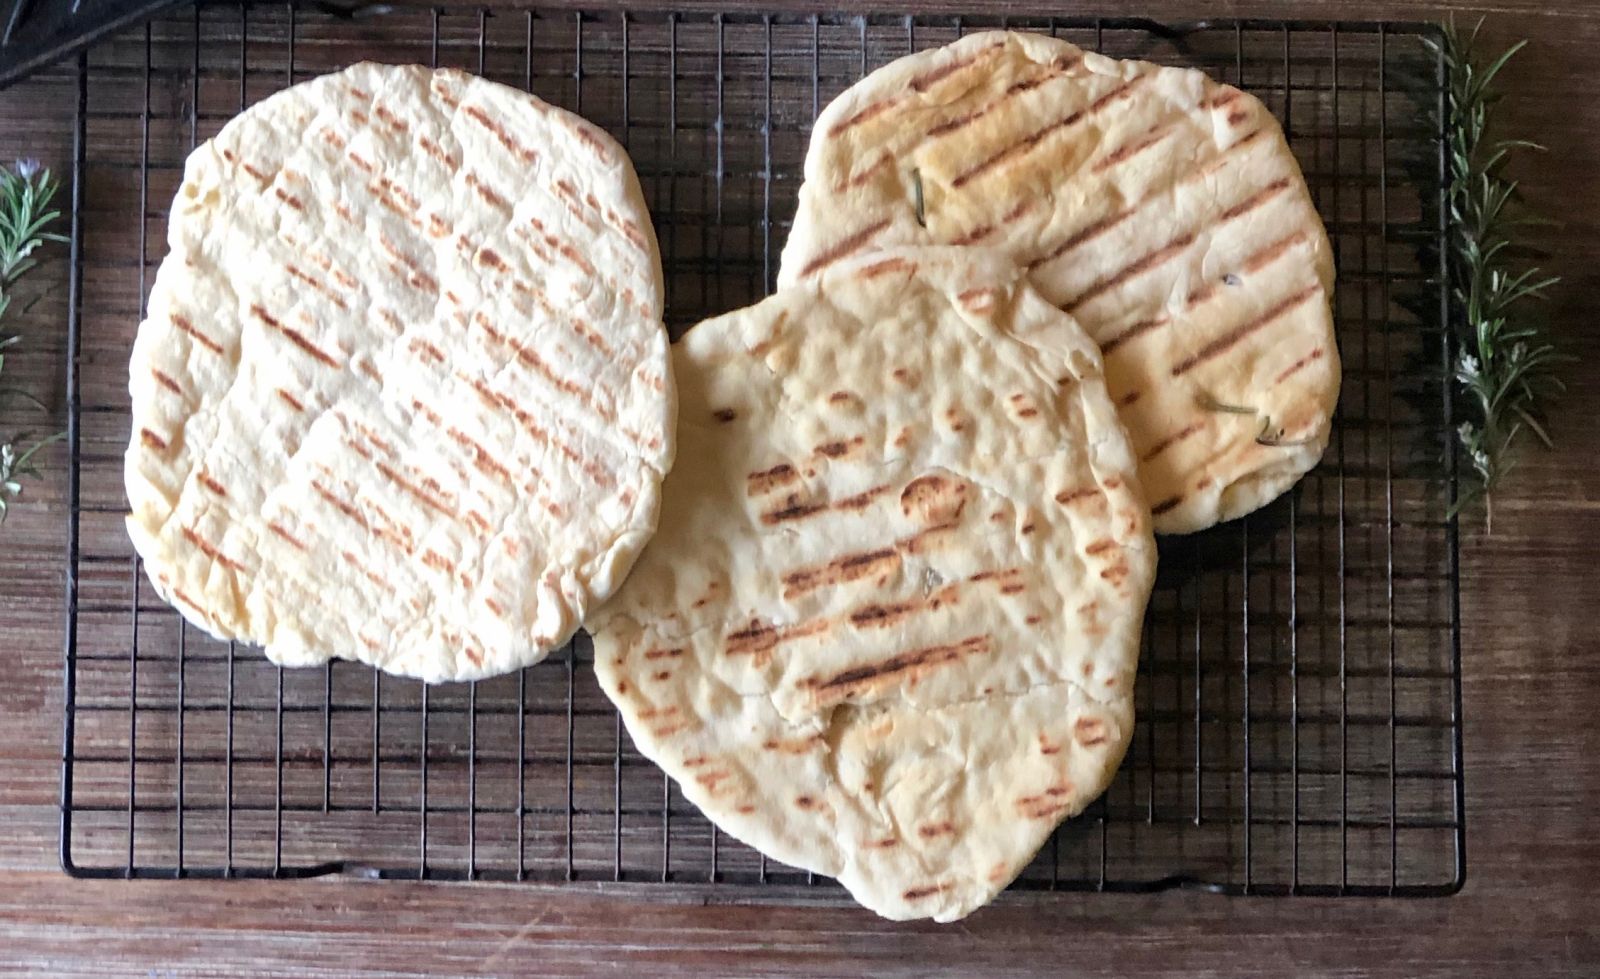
<point>389,188</point>
<point>205,479</point>
<point>390,195</point>
<point>795,746</point>
<point>862,500</point>
<point>438,153</point>
<point>980,301</point>
<point>568,195</point>
<point>918,893</point>
<point>316,283</point>
<point>348,509</point>
<point>1297,366</point>
<point>630,230</point>
<point>1102,225</point>
<point>865,114</point>
<point>1193,428</point>
<point>530,359</point>
<point>1222,344</point>
<point>1178,245</point>
<point>488,194</point>
<point>1057,69</point>
<point>928,79</point>
<point>426,490</point>
<point>1082,235</point>
<point>1026,145</point>
<point>530,424</point>
<point>880,562</point>
<point>1052,802</point>
<point>766,480</point>
<point>481,457</point>
<point>444,94</point>
<point>1255,200</point>
<point>1068,497</point>
<point>861,177</point>
<point>1252,263</point>
<point>184,324</point>
<point>1128,151</point>
<point>758,639</point>
<point>586,134</point>
<point>839,448</point>
<point>1140,266</point>
<point>166,381</point>
<point>1271,253</point>
<point>1133,332</point>
<point>283,534</point>
<point>884,616</point>
<point>515,148</point>
<point>1090,732</point>
<point>408,268</point>
<point>888,266</point>
<point>973,235</point>
<point>1165,506</point>
<point>376,579</point>
<point>391,120</point>
<point>1225,96</point>
<point>791,510</point>
<point>569,320</point>
<point>844,248</point>
<point>860,681</point>
<point>211,551</point>
<point>294,336</point>
<point>325,263</point>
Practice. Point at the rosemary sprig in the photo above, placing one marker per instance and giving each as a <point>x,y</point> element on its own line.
<point>26,191</point>
<point>1210,403</point>
<point>1505,366</point>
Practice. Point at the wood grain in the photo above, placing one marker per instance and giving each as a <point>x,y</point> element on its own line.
<point>1532,683</point>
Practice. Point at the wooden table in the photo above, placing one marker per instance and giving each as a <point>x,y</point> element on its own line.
<point>1532,707</point>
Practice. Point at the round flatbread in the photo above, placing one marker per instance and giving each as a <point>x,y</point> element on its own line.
<point>403,394</point>
<point>1163,210</point>
<point>888,629</point>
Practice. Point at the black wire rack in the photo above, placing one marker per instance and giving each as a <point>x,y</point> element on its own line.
<point>1299,720</point>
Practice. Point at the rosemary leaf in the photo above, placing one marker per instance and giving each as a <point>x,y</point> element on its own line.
<point>26,191</point>
<point>1278,441</point>
<point>1505,367</point>
<point>1212,404</point>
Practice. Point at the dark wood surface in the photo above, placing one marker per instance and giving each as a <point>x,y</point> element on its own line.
<point>1532,705</point>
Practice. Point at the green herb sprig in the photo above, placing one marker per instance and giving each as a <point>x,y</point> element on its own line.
<point>1505,366</point>
<point>26,191</point>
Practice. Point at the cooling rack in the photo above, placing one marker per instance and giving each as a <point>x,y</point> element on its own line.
<point>1298,696</point>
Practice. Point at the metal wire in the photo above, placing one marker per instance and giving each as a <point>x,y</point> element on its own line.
<point>1300,721</point>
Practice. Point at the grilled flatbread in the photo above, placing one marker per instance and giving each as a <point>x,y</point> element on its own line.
<point>403,394</point>
<point>1163,210</point>
<point>888,628</point>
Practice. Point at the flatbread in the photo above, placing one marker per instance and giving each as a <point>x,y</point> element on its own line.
<point>888,629</point>
<point>1163,210</point>
<point>403,394</point>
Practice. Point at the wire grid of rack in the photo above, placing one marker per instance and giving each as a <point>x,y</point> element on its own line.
<point>1299,686</point>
